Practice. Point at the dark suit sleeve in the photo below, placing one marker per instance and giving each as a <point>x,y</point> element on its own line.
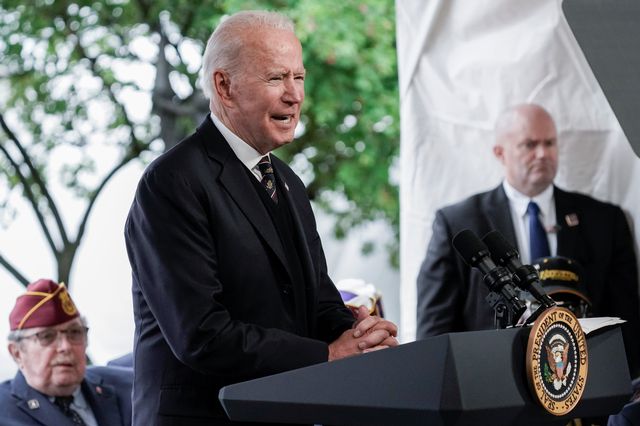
<point>438,284</point>
<point>174,257</point>
<point>622,288</point>
<point>333,318</point>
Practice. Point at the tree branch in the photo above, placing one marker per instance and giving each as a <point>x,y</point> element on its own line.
<point>13,271</point>
<point>134,152</point>
<point>37,179</point>
<point>94,69</point>
<point>27,188</point>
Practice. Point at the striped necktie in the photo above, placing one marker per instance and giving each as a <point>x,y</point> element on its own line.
<point>64,403</point>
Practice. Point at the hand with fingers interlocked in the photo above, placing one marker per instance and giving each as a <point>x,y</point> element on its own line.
<point>369,333</point>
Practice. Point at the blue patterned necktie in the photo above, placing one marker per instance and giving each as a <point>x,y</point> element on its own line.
<point>64,403</point>
<point>538,243</point>
<point>268,178</point>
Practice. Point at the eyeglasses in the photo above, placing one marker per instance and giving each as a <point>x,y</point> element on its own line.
<point>75,336</point>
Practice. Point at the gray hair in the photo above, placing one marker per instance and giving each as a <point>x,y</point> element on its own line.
<point>17,335</point>
<point>225,44</point>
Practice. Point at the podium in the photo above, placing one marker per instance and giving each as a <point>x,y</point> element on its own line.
<point>466,378</point>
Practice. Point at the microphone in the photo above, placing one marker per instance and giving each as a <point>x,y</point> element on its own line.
<point>526,276</point>
<point>476,254</point>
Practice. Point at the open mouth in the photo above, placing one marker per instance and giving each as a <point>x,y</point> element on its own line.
<point>284,119</point>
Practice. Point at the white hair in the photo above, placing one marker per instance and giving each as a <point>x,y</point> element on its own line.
<point>226,42</point>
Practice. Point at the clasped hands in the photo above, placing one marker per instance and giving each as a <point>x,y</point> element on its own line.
<point>369,333</point>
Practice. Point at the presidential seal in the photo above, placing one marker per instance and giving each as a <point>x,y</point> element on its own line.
<point>557,360</point>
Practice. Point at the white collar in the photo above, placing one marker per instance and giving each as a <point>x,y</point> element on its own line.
<point>519,201</point>
<point>245,152</point>
<point>78,399</point>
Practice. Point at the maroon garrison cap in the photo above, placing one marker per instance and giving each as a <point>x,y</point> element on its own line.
<point>44,304</point>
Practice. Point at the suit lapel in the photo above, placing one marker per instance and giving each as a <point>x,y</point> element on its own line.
<point>498,214</point>
<point>299,234</point>
<point>37,405</point>
<point>102,400</point>
<point>233,179</point>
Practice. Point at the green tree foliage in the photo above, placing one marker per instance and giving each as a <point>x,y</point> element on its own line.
<point>87,86</point>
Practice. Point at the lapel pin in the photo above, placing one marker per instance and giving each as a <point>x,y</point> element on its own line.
<point>33,404</point>
<point>553,229</point>
<point>572,219</point>
<point>286,186</point>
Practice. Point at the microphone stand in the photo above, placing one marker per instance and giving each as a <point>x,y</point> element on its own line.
<point>525,277</point>
<point>502,298</point>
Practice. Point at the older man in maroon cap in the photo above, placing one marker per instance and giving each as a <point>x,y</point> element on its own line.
<point>53,386</point>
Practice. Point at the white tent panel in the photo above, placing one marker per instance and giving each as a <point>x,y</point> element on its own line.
<point>460,64</point>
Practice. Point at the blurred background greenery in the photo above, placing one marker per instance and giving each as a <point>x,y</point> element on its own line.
<point>98,85</point>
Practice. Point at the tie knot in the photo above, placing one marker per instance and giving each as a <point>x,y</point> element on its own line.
<point>265,166</point>
<point>63,402</point>
<point>533,208</point>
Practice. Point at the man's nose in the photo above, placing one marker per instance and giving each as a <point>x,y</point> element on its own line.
<point>294,91</point>
<point>62,341</point>
<point>542,150</point>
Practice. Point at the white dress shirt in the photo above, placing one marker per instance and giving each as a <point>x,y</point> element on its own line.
<point>518,203</point>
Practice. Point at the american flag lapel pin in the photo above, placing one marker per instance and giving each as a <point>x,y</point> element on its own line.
<point>572,220</point>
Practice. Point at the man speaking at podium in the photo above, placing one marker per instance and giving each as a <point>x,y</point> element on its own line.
<point>229,276</point>
<point>539,219</point>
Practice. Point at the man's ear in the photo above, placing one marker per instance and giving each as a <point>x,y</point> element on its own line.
<point>222,86</point>
<point>14,350</point>
<point>498,150</point>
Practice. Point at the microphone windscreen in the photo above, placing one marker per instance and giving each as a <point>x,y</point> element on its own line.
<point>469,247</point>
<point>498,245</point>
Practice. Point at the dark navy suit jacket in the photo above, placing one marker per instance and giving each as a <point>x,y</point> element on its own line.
<point>214,298</point>
<point>451,296</point>
<point>106,389</point>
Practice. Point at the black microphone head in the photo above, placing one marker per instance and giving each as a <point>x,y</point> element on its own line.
<point>469,247</point>
<point>501,250</point>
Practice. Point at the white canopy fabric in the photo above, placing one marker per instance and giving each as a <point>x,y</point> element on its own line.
<point>461,63</point>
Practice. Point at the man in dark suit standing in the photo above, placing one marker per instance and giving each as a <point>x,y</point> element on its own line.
<point>229,277</point>
<point>451,296</point>
<point>53,386</point>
